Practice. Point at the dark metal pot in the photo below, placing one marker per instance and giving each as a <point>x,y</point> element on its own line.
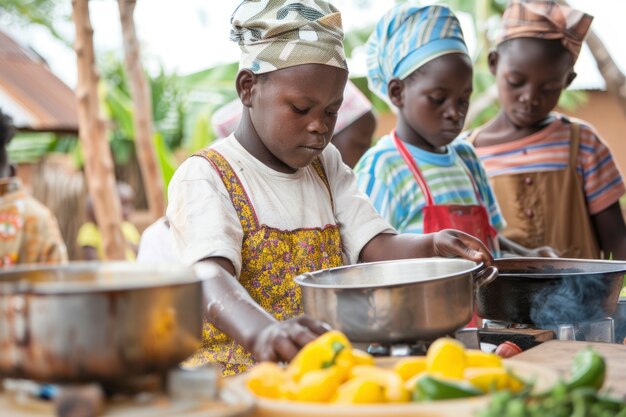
<point>395,301</point>
<point>97,321</point>
<point>552,291</point>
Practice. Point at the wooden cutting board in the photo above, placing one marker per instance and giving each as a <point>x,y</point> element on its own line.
<point>558,354</point>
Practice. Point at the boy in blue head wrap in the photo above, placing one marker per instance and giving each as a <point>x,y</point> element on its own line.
<point>420,177</point>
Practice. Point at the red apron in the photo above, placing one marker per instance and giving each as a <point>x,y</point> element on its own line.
<point>471,219</point>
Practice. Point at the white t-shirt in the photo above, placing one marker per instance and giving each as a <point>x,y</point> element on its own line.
<point>157,245</point>
<point>204,222</point>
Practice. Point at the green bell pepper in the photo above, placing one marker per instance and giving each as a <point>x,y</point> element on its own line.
<point>588,370</point>
<point>429,388</point>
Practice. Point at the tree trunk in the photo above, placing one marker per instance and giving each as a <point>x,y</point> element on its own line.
<point>142,115</point>
<point>613,76</point>
<point>93,138</point>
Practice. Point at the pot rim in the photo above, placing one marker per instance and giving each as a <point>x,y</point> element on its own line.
<point>620,267</point>
<point>175,275</point>
<point>304,279</point>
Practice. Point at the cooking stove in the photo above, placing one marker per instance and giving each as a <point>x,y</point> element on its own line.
<point>601,330</point>
<point>470,337</point>
<point>494,333</point>
<point>179,392</point>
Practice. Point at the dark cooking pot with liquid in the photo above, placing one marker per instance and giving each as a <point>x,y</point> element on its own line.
<point>551,291</point>
<point>90,321</point>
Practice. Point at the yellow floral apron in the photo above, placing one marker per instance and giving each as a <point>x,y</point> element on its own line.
<point>271,258</point>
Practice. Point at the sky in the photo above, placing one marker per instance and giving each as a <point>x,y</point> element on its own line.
<point>191,35</point>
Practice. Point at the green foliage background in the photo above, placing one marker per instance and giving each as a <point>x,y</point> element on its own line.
<point>182,106</point>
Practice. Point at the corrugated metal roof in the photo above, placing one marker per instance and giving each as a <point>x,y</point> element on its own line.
<point>43,102</point>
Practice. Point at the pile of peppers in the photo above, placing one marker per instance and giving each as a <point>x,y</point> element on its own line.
<point>577,396</point>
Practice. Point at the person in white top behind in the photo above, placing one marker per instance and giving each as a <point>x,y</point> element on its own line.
<point>157,245</point>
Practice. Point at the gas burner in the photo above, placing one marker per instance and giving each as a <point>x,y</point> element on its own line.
<point>497,324</point>
<point>399,349</point>
<point>602,330</point>
<point>468,336</point>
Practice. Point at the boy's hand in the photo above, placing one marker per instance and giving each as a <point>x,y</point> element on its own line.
<point>450,242</point>
<point>282,340</point>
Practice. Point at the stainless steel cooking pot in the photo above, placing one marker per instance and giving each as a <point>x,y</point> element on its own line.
<point>395,301</point>
<point>97,321</point>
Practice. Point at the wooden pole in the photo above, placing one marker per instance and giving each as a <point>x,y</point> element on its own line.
<point>142,115</point>
<point>93,138</point>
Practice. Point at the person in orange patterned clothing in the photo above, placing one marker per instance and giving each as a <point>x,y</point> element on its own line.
<point>274,199</point>
<point>29,232</point>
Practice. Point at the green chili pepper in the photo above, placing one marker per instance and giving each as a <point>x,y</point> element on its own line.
<point>588,370</point>
<point>431,388</point>
<point>577,397</point>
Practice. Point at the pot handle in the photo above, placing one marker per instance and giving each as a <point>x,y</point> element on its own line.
<point>485,276</point>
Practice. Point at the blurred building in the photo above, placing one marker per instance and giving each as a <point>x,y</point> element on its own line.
<point>35,98</point>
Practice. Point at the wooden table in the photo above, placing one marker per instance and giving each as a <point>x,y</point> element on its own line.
<point>230,404</point>
<point>558,354</point>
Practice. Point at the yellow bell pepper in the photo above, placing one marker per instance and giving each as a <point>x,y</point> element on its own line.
<point>392,383</point>
<point>446,357</point>
<point>409,367</point>
<point>478,359</point>
<point>488,379</point>
<point>362,358</point>
<point>360,390</point>
<point>330,349</point>
<point>268,380</point>
<point>515,384</point>
<point>318,385</point>
<point>410,383</point>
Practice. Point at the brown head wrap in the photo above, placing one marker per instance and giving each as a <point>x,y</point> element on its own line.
<point>545,19</point>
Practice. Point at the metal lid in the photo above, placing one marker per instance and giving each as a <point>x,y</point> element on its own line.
<point>82,277</point>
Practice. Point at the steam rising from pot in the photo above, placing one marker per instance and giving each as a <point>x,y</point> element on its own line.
<point>571,300</point>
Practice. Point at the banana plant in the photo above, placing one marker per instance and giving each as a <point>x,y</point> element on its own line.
<point>182,110</point>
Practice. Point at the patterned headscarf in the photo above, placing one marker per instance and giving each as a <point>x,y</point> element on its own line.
<point>275,34</point>
<point>225,120</point>
<point>407,37</point>
<point>545,19</point>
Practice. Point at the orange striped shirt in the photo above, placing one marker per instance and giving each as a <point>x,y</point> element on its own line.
<point>548,150</point>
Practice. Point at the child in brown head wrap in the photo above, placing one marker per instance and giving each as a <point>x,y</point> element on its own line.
<point>555,178</point>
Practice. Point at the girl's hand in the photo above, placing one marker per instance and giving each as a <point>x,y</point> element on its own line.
<point>282,340</point>
<point>450,242</point>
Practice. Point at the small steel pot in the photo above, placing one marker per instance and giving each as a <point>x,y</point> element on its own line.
<point>552,291</point>
<point>86,322</point>
<point>395,301</point>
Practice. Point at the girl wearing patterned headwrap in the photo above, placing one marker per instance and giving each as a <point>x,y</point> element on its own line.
<point>273,199</point>
<point>554,177</point>
<point>419,177</point>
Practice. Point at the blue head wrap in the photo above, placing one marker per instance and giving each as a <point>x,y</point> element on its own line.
<point>407,37</point>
